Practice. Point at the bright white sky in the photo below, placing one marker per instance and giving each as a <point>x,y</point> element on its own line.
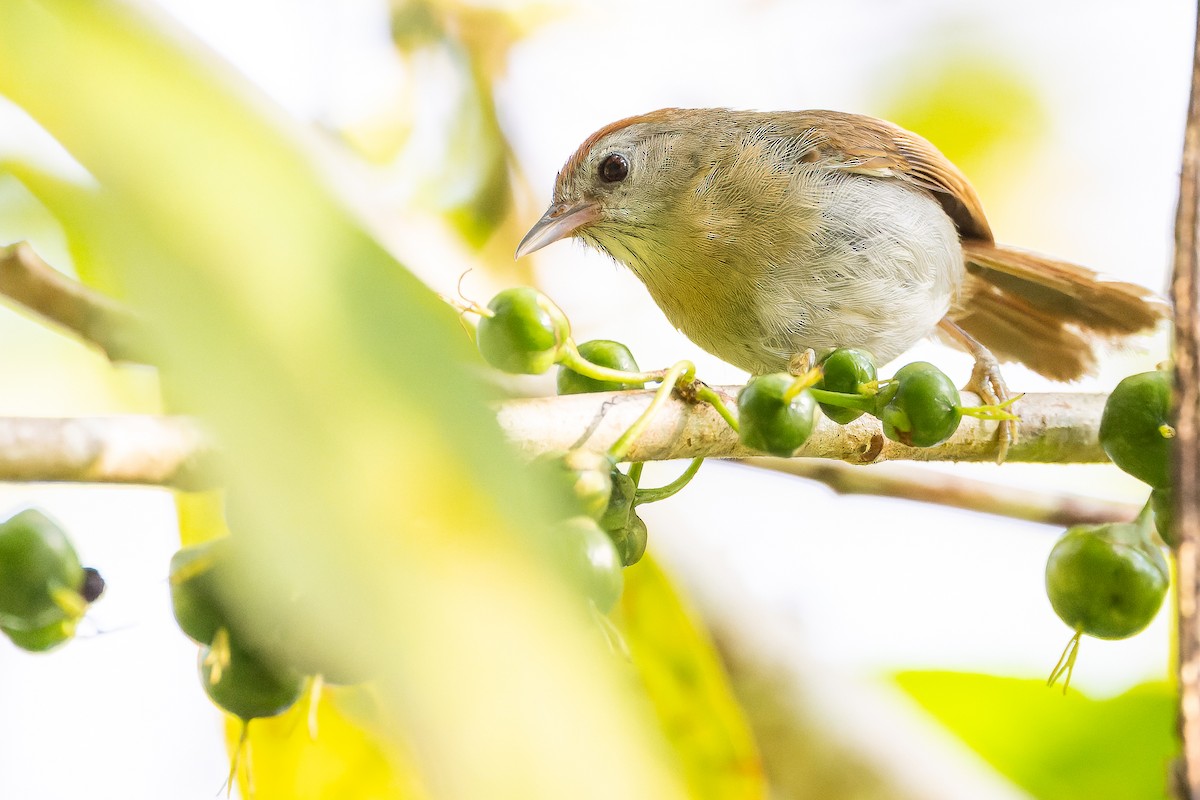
<point>869,584</point>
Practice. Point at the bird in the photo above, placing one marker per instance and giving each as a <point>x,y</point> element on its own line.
<point>772,238</point>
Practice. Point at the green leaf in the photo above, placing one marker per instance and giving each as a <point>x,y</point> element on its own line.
<point>82,211</point>
<point>372,470</point>
<point>1056,747</point>
<point>686,683</point>
<point>324,746</point>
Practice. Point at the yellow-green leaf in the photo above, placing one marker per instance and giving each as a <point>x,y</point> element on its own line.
<point>367,464</point>
<point>1065,748</point>
<point>686,683</point>
<point>326,750</point>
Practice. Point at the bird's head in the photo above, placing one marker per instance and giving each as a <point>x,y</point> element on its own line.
<point>619,188</point>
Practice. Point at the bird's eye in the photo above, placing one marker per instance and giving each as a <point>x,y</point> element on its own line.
<point>614,168</point>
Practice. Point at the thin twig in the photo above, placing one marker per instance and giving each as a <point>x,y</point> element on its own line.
<point>29,281</point>
<point>1187,427</point>
<point>928,486</point>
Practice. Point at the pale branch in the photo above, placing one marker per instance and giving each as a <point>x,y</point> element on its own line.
<point>32,283</point>
<point>1054,428</point>
<point>928,486</point>
<point>1186,468</point>
<point>158,450</point>
<point>131,449</point>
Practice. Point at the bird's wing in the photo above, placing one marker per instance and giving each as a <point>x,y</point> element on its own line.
<point>870,146</point>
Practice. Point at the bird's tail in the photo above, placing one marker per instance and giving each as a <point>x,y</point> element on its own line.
<point>1047,314</point>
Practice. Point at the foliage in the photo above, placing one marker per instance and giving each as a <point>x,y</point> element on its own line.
<point>1056,748</point>
<point>370,466</point>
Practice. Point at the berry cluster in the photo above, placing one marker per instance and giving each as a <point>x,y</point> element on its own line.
<point>1109,581</point>
<point>919,407</point>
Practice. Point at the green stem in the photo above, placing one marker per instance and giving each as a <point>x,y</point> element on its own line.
<point>710,396</point>
<point>997,412</point>
<point>805,381</point>
<point>572,359</point>
<point>682,370</point>
<point>1066,663</point>
<point>671,489</point>
<point>635,472</point>
<point>987,412</point>
<point>857,402</point>
<point>1145,517</point>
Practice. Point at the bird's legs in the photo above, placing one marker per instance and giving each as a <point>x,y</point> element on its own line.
<point>986,381</point>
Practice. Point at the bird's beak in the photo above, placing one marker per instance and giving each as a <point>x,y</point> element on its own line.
<point>560,221</point>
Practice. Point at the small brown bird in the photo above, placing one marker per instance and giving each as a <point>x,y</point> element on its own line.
<point>765,235</point>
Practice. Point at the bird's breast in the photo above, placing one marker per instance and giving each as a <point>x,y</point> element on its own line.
<point>815,259</point>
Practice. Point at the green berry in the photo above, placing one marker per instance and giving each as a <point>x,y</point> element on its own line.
<point>767,422</point>
<point>920,408</point>
<point>620,501</point>
<point>584,476</point>
<point>40,574</point>
<point>199,578</point>
<point>47,637</point>
<point>242,684</point>
<point>605,353</point>
<point>1135,429</point>
<point>630,539</point>
<point>846,370</point>
<point>591,561</point>
<point>621,522</point>
<point>1107,581</point>
<point>525,332</point>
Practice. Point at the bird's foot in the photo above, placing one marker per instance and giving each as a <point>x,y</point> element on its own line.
<point>987,382</point>
<point>802,363</point>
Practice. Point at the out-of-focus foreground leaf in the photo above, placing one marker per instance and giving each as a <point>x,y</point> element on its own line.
<point>1056,747</point>
<point>688,687</point>
<point>200,516</point>
<point>370,468</point>
<point>326,745</point>
<point>345,759</point>
<point>88,212</point>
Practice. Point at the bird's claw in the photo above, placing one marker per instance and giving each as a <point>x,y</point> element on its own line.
<point>802,363</point>
<point>987,382</point>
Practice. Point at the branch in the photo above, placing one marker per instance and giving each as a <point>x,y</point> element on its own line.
<point>928,486</point>
<point>29,281</point>
<point>175,450</point>
<point>1187,427</point>
<point>1055,428</point>
<point>159,451</point>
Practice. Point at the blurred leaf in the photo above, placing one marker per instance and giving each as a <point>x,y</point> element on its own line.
<point>372,470</point>
<point>22,216</point>
<point>201,516</point>
<point>477,191</point>
<point>689,689</point>
<point>479,179</point>
<point>969,104</point>
<point>87,211</point>
<point>345,759</point>
<point>1056,747</point>
<point>415,24</point>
